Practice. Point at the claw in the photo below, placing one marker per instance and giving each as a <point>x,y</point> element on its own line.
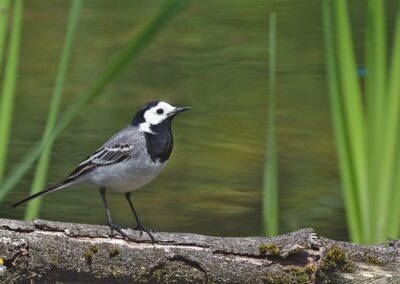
<point>118,229</point>
<point>139,227</point>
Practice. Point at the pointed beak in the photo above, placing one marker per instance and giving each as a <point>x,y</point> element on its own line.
<point>179,110</point>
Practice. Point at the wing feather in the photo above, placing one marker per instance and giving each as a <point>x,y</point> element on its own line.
<point>106,155</point>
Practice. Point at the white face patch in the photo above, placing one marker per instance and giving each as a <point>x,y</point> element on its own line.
<point>158,113</point>
<point>145,127</point>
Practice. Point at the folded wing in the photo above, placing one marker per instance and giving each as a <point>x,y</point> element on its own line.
<point>106,155</point>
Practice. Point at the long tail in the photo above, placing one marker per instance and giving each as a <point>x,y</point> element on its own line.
<point>43,192</point>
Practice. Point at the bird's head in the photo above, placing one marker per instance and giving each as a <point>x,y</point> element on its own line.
<point>155,113</point>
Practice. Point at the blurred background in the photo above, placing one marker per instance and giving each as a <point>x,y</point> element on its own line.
<point>213,57</point>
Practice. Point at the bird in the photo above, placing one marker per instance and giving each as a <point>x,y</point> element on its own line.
<point>130,159</point>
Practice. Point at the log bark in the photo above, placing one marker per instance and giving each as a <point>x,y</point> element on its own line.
<point>45,252</point>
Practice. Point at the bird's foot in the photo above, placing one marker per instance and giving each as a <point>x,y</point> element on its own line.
<point>118,229</point>
<point>139,227</point>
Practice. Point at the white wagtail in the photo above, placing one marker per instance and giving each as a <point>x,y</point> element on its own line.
<point>130,159</point>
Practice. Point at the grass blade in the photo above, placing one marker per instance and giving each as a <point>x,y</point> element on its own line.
<point>4,7</point>
<point>376,71</point>
<point>32,210</point>
<point>133,48</point>
<point>375,100</point>
<point>270,196</point>
<point>9,83</point>
<point>393,114</point>
<point>339,126</point>
<point>353,112</point>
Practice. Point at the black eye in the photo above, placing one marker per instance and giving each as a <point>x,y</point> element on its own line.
<point>160,111</point>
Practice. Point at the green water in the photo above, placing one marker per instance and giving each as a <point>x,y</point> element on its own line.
<point>213,57</point>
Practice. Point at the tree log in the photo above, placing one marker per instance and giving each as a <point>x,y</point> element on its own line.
<point>46,251</point>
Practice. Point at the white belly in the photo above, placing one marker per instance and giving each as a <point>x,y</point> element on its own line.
<point>125,176</point>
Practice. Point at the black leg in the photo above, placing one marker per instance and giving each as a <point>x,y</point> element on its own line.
<point>139,225</point>
<point>110,223</point>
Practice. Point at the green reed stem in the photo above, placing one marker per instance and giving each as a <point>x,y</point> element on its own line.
<point>9,83</point>
<point>270,194</point>
<point>340,129</point>
<point>32,210</point>
<point>393,197</point>
<point>4,8</point>
<point>353,110</point>
<point>367,137</point>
